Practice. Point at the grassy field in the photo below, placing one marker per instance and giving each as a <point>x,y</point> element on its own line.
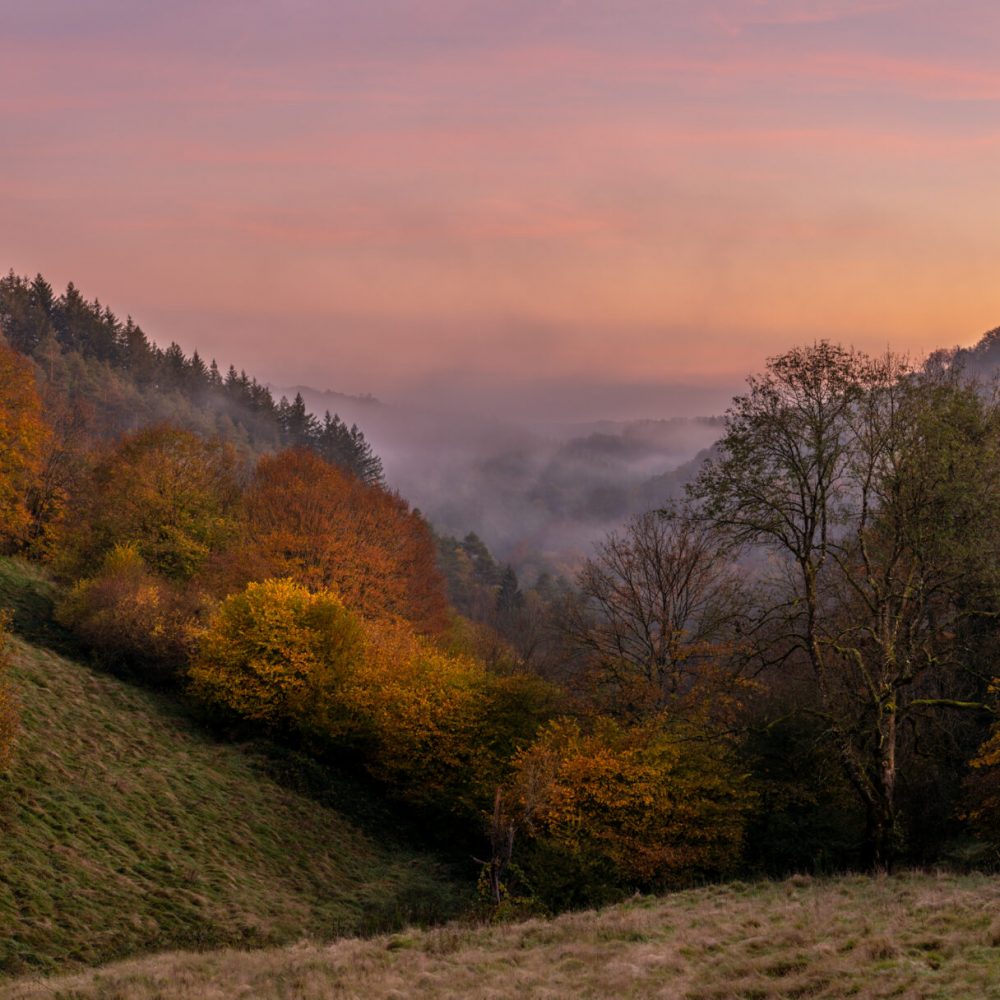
<point>125,829</point>
<point>914,936</point>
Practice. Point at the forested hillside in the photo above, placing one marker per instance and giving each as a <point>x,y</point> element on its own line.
<point>786,664</point>
<point>104,377</point>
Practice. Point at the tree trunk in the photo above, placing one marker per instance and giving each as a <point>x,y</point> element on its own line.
<point>502,831</point>
<point>882,830</point>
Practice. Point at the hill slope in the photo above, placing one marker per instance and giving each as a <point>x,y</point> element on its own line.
<point>125,829</point>
<point>912,936</point>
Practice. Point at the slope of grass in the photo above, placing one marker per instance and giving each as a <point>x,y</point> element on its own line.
<point>27,592</point>
<point>915,936</point>
<point>124,828</point>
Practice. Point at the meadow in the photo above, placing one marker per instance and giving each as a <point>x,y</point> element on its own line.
<point>916,935</point>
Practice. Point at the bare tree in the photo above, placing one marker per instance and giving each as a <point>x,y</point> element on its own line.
<point>655,603</point>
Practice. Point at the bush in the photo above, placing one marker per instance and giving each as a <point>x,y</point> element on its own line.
<point>278,654</point>
<point>653,806</point>
<point>138,622</point>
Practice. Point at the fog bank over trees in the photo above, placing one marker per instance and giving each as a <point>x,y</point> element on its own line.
<point>539,492</point>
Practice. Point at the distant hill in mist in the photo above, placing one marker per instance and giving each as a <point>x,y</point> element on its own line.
<point>541,493</point>
<point>538,493</point>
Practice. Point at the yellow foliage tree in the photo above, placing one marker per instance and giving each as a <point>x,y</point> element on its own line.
<point>423,711</point>
<point>657,806</point>
<point>165,490</point>
<point>278,654</point>
<point>23,434</point>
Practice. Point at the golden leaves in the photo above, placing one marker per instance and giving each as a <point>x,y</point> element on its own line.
<point>22,436</point>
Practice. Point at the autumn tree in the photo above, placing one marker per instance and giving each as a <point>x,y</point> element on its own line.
<point>23,435</point>
<point>136,620</point>
<point>64,463</point>
<point>877,491</point>
<point>423,712</point>
<point>279,654</point>
<point>322,526</point>
<point>169,492</point>
<point>644,800</point>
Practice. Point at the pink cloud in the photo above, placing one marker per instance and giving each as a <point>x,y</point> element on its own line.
<point>593,169</point>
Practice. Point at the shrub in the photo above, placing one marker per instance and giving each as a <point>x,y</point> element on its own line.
<point>278,654</point>
<point>134,619</point>
<point>655,805</point>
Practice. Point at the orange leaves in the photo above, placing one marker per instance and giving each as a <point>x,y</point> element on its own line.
<point>425,721</point>
<point>423,710</point>
<point>658,806</point>
<point>22,436</point>
<point>322,526</point>
<point>166,491</point>
<point>135,618</point>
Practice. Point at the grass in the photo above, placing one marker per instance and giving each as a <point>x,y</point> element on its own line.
<point>27,591</point>
<point>125,828</point>
<point>935,937</point>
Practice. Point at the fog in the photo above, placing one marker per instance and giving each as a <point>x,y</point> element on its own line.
<point>537,489</point>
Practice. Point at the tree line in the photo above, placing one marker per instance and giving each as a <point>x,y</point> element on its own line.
<point>791,669</point>
<point>109,375</point>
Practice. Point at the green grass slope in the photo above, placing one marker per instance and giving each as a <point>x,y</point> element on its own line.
<point>914,936</point>
<point>124,828</point>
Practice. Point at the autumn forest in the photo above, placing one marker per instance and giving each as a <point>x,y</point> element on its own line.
<point>791,669</point>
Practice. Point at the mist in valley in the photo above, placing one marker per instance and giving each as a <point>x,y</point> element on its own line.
<point>537,489</point>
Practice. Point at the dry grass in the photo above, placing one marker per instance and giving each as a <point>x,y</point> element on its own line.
<point>915,936</point>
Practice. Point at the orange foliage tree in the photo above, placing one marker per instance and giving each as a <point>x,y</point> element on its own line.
<point>168,492</point>
<point>322,526</point>
<point>23,434</point>
<point>278,654</point>
<point>657,806</point>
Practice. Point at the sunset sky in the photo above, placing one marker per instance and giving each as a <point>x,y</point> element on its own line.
<point>584,207</point>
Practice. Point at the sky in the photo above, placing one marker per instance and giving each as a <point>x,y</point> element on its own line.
<point>571,208</point>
